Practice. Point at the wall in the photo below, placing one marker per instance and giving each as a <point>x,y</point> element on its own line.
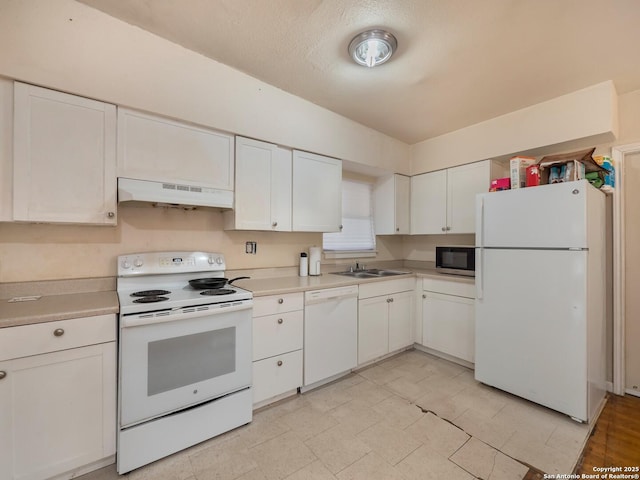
<point>590,113</point>
<point>71,47</point>
<point>43,252</point>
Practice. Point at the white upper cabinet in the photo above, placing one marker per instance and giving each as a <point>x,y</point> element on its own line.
<point>6,150</point>
<point>391,205</point>
<point>157,148</point>
<point>444,201</point>
<point>317,193</point>
<point>429,203</point>
<point>262,187</point>
<point>64,158</point>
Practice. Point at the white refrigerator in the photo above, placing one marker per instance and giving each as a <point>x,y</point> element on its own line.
<point>540,306</point>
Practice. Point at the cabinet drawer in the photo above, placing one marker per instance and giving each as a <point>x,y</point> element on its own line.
<point>449,287</point>
<point>374,289</point>
<point>277,304</point>
<point>276,334</point>
<point>276,375</point>
<point>25,340</point>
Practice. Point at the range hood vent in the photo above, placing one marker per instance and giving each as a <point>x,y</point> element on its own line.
<point>172,194</point>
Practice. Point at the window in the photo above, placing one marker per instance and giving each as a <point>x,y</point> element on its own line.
<point>357,234</point>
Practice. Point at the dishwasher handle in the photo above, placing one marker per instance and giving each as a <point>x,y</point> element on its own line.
<point>328,294</point>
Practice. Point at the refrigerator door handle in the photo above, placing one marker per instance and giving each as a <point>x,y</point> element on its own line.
<point>480,220</point>
<point>479,273</point>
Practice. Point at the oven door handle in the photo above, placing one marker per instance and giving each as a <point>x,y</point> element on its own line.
<point>182,313</point>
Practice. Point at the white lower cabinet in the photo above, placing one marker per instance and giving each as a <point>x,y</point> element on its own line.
<point>278,324</point>
<point>448,318</point>
<point>58,412</point>
<point>385,318</point>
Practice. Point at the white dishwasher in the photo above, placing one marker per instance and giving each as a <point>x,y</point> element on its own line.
<point>330,332</point>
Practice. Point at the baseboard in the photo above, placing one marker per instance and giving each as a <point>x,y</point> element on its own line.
<point>631,391</point>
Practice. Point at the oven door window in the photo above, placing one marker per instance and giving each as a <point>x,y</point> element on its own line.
<point>190,359</point>
<point>168,366</point>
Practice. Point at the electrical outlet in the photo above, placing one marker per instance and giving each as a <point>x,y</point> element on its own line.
<point>251,247</point>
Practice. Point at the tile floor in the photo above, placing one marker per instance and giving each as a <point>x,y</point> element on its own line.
<point>412,416</point>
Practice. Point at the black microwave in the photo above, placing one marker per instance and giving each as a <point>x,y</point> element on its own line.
<point>458,260</point>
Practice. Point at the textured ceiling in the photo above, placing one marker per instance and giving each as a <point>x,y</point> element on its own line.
<point>458,62</point>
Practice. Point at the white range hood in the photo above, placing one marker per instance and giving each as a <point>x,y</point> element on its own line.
<point>172,194</point>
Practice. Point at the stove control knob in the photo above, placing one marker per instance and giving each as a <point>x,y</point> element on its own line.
<point>125,264</point>
<point>216,260</point>
<point>137,262</point>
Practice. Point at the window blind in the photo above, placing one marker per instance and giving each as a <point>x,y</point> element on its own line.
<point>357,220</point>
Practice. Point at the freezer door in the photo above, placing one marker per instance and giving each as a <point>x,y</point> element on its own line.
<point>548,216</point>
<point>531,326</point>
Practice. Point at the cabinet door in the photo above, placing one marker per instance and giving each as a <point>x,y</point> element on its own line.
<point>6,150</point>
<point>448,325</point>
<point>402,203</point>
<point>373,328</point>
<point>463,183</point>
<point>157,148</point>
<point>317,193</point>
<point>64,158</point>
<point>429,203</point>
<point>281,190</point>
<point>58,412</point>
<point>401,320</point>
<point>391,205</point>
<point>276,375</point>
<point>253,193</point>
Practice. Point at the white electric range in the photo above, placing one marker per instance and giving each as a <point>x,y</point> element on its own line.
<point>184,354</point>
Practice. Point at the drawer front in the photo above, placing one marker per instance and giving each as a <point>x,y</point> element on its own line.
<point>276,334</point>
<point>25,340</point>
<point>276,375</point>
<point>375,289</point>
<point>448,287</point>
<point>277,304</point>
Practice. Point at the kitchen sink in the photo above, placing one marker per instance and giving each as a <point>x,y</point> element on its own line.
<point>371,273</point>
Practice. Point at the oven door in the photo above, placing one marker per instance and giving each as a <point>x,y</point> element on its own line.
<point>174,361</point>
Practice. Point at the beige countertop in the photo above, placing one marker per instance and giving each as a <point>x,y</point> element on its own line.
<point>59,300</point>
<point>292,284</point>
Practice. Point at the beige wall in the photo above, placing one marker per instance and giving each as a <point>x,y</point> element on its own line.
<point>43,252</point>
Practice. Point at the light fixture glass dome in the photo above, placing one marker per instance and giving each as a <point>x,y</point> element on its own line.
<point>372,48</point>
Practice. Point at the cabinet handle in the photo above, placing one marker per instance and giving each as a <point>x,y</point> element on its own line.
<point>3,374</point>
<point>58,332</point>
<point>280,320</point>
<point>443,229</point>
<point>279,363</point>
<point>448,228</point>
<point>391,300</point>
<point>281,301</point>
<point>341,227</point>
<point>424,295</point>
<point>274,224</point>
<point>111,214</point>
<point>397,229</point>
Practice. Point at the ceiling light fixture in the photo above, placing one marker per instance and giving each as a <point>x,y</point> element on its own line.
<point>372,48</point>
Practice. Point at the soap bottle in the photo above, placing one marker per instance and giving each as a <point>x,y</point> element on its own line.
<point>304,264</point>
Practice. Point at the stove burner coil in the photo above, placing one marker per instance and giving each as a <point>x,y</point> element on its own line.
<point>150,293</point>
<point>150,299</point>
<point>218,291</point>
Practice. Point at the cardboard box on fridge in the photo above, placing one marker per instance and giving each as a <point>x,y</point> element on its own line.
<point>561,171</point>
<point>518,170</point>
